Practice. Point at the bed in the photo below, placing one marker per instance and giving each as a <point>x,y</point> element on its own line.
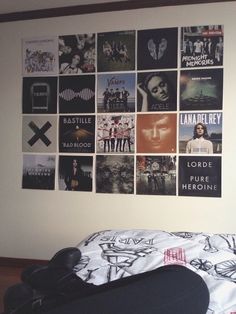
<point>100,260</point>
<point>112,254</point>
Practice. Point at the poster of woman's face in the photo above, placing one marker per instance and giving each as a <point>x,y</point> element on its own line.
<point>157,91</point>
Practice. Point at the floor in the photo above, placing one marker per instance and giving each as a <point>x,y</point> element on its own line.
<point>8,277</point>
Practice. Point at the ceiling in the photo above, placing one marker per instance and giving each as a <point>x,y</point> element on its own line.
<point>10,6</point>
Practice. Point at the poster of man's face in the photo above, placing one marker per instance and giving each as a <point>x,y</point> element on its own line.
<point>156,133</point>
<point>116,51</point>
<point>157,48</point>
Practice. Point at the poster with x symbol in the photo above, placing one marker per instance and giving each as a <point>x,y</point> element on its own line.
<point>39,134</point>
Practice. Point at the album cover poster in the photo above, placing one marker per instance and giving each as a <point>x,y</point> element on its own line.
<point>116,51</point>
<point>75,173</point>
<point>157,48</point>
<point>115,174</point>
<point>38,172</point>
<point>116,92</point>
<point>200,176</point>
<point>39,134</point>
<point>116,134</point>
<point>156,133</point>
<point>39,95</point>
<point>77,94</point>
<point>76,133</point>
<point>200,132</point>
<point>40,56</point>
<point>157,91</point>
<point>202,46</point>
<point>77,54</point>
<point>201,89</point>
<point>156,175</point>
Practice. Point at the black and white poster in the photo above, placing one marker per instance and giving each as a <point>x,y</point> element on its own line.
<point>116,92</point>
<point>116,51</point>
<point>156,175</point>
<point>200,132</point>
<point>76,133</point>
<point>157,48</point>
<point>115,174</point>
<point>39,134</point>
<point>38,172</point>
<point>40,56</point>
<point>201,89</point>
<point>157,91</point>
<point>200,176</point>
<point>115,134</point>
<point>202,46</point>
<point>75,173</point>
<point>77,54</point>
<point>77,94</point>
<point>39,95</point>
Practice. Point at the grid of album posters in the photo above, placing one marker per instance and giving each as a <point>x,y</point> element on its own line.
<point>124,112</point>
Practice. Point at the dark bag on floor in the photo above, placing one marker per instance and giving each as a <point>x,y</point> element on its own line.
<point>44,287</point>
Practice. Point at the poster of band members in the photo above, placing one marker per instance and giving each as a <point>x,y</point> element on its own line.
<point>116,51</point>
<point>77,54</point>
<point>115,134</point>
<point>202,46</point>
<point>201,89</point>
<point>116,92</point>
<point>39,134</point>
<point>200,176</point>
<point>156,133</point>
<point>40,56</point>
<point>75,173</point>
<point>200,133</point>
<point>157,48</point>
<point>115,174</point>
<point>157,91</point>
<point>39,95</point>
<point>156,175</point>
<point>38,172</point>
<point>77,94</point>
<point>76,133</point>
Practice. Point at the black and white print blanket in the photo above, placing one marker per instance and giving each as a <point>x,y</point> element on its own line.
<point>112,254</point>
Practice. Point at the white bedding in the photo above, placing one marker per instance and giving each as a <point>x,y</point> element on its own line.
<point>113,254</point>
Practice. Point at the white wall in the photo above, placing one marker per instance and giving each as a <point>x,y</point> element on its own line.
<point>35,224</point>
